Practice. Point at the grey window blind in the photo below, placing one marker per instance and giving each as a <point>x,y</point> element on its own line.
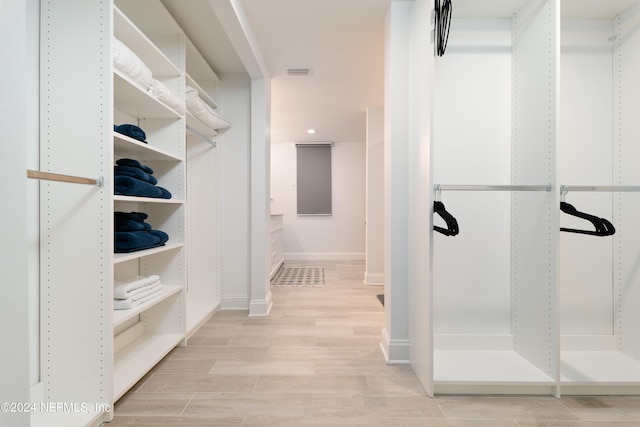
<point>314,178</point>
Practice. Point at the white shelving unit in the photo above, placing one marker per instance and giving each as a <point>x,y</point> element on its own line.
<point>143,335</point>
<point>75,239</point>
<point>76,347</point>
<point>519,306</point>
<point>598,284</point>
<point>203,190</point>
<point>493,287</point>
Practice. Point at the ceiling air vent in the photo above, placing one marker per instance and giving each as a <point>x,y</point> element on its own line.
<point>298,71</point>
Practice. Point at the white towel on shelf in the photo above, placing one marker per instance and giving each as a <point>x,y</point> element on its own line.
<point>124,304</point>
<point>129,286</point>
<point>203,111</point>
<point>131,65</point>
<point>162,92</point>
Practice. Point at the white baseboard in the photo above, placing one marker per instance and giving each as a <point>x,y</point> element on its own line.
<point>260,308</point>
<point>396,351</point>
<point>235,302</point>
<point>324,256</point>
<point>373,278</point>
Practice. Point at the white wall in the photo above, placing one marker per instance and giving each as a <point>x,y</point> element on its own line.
<point>235,151</point>
<point>340,236</point>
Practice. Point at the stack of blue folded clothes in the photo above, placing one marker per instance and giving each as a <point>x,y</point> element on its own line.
<point>133,234</point>
<point>132,131</point>
<point>131,178</point>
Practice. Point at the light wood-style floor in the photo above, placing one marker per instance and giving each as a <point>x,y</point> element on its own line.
<point>316,361</point>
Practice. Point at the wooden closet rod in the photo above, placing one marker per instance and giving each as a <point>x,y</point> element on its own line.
<point>64,178</point>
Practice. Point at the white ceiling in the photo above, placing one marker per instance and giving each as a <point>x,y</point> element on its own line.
<point>341,40</point>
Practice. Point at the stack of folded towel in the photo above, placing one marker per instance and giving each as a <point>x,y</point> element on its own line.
<point>133,234</point>
<point>135,290</point>
<point>135,179</point>
<point>132,131</point>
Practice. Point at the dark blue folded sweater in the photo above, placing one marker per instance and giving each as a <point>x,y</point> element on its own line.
<point>131,130</point>
<point>128,186</point>
<point>135,164</point>
<point>135,241</point>
<point>135,173</point>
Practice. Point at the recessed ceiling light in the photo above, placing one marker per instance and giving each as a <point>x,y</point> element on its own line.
<point>311,131</point>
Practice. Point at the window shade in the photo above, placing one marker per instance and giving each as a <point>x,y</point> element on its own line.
<point>314,178</point>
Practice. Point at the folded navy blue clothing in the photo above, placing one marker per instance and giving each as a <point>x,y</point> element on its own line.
<point>135,173</point>
<point>128,186</point>
<point>134,241</point>
<point>131,130</point>
<point>135,164</point>
<point>130,216</point>
<point>130,225</point>
<point>164,237</point>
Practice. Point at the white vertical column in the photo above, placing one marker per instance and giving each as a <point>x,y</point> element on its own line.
<point>374,246</point>
<point>14,298</point>
<point>420,203</point>
<point>260,302</point>
<point>396,182</point>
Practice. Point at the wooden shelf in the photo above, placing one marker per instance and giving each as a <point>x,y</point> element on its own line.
<point>200,127</point>
<point>118,258</point>
<point>198,313</point>
<point>201,92</point>
<point>121,316</point>
<point>66,418</point>
<point>135,199</point>
<point>125,146</point>
<point>135,360</point>
<point>137,102</point>
<point>486,367</point>
<point>599,367</point>
<point>127,32</point>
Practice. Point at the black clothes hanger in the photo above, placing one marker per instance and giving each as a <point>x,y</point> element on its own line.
<point>452,223</point>
<point>602,226</point>
<point>442,10</point>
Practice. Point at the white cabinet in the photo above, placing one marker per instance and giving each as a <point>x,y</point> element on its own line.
<point>493,287</point>
<point>531,96</point>
<point>598,146</point>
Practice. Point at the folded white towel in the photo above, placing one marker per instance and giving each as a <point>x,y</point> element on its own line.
<point>125,288</point>
<point>203,111</point>
<point>124,304</point>
<point>162,92</point>
<point>131,65</point>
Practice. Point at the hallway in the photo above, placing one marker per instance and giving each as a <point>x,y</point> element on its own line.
<point>316,361</point>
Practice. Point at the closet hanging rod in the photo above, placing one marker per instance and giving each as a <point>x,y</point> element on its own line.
<point>64,178</point>
<point>612,188</point>
<point>440,187</point>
